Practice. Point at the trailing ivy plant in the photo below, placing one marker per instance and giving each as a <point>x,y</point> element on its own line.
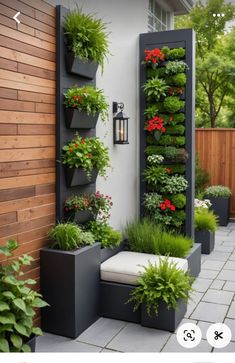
<point>18,303</point>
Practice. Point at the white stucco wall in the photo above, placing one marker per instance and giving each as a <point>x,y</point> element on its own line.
<point>125,20</point>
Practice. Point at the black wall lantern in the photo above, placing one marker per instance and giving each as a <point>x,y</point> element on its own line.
<point>120,124</point>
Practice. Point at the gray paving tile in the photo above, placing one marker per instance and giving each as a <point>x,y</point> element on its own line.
<point>184,321</point>
<point>173,346</point>
<point>54,343</point>
<point>217,284</point>
<point>229,286</point>
<point>229,244</point>
<point>210,312</point>
<point>231,312</point>
<point>232,257</point>
<point>202,285</point>
<point>204,327</point>
<point>105,350</point>
<point>220,256</point>
<point>231,325</point>
<point>230,265</point>
<point>101,332</point>
<point>218,296</point>
<point>208,274</point>
<point>224,249</point>
<point>195,298</point>
<point>229,348</point>
<point>135,338</point>
<point>226,275</point>
<point>213,265</point>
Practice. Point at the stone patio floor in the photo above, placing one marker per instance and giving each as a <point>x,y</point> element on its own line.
<point>213,301</point>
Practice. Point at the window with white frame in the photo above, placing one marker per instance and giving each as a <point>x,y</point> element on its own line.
<point>158,18</point>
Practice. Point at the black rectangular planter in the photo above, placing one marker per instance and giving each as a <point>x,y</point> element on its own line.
<point>113,302</point>
<point>194,260</point>
<point>221,207</point>
<point>75,119</point>
<point>77,66</point>
<point>206,239</point>
<point>106,253</point>
<point>70,284</point>
<point>32,343</point>
<point>167,319</point>
<point>81,217</point>
<point>75,177</point>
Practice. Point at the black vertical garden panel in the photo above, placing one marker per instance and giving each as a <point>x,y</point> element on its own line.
<point>184,38</point>
<point>63,134</point>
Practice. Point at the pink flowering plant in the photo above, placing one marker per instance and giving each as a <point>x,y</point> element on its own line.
<point>97,203</point>
<point>88,99</point>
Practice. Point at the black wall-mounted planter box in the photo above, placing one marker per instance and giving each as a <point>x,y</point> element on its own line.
<point>167,319</point>
<point>194,260</point>
<point>80,119</point>
<point>106,253</point>
<point>206,239</point>
<point>77,66</point>
<point>70,284</point>
<point>75,177</point>
<point>81,217</point>
<point>113,302</point>
<point>221,207</point>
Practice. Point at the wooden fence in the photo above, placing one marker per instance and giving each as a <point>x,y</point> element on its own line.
<point>216,149</point>
<point>27,125</point>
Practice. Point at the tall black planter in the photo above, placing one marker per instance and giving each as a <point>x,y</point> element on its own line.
<point>194,260</point>
<point>80,119</point>
<point>206,239</point>
<point>79,176</point>
<point>167,319</point>
<point>70,284</point>
<point>81,217</point>
<point>32,343</point>
<point>77,66</point>
<point>220,207</point>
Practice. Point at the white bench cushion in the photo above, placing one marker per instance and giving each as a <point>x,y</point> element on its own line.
<point>125,267</point>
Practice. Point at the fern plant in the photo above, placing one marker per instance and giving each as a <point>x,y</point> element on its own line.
<point>161,283</point>
<point>87,36</point>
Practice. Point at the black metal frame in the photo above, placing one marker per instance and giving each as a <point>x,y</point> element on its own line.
<point>63,134</point>
<point>173,39</point>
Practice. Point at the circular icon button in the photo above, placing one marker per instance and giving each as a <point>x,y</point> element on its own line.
<point>189,335</point>
<point>218,335</point>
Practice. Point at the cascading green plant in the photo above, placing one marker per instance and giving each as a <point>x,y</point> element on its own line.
<point>86,36</point>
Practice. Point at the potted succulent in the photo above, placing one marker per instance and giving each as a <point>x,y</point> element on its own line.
<point>83,106</point>
<point>85,207</point>
<point>205,222</point>
<point>70,280</point>
<point>109,238</point>
<point>18,303</point>
<point>87,43</point>
<point>162,293</point>
<point>84,158</point>
<point>219,196</point>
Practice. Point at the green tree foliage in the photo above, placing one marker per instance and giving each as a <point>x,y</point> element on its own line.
<point>215,58</point>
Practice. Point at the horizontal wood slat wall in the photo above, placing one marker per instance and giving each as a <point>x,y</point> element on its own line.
<point>27,125</point>
<point>216,149</point>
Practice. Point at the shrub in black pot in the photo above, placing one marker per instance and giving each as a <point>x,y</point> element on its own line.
<point>219,196</point>
<point>205,222</point>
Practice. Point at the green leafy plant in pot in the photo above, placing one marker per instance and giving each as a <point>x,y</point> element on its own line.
<point>87,39</point>
<point>17,303</point>
<point>219,196</point>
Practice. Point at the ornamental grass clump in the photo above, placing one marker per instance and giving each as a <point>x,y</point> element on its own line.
<point>68,236</point>
<point>88,153</point>
<point>86,36</point>
<point>146,237</point>
<point>161,283</point>
<point>205,219</point>
<point>18,302</point>
<point>88,99</point>
<point>218,191</point>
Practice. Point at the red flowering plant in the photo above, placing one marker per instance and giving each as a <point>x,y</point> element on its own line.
<point>155,124</point>
<point>167,205</point>
<point>88,153</point>
<point>153,57</point>
<point>88,99</point>
<point>97,203</point>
